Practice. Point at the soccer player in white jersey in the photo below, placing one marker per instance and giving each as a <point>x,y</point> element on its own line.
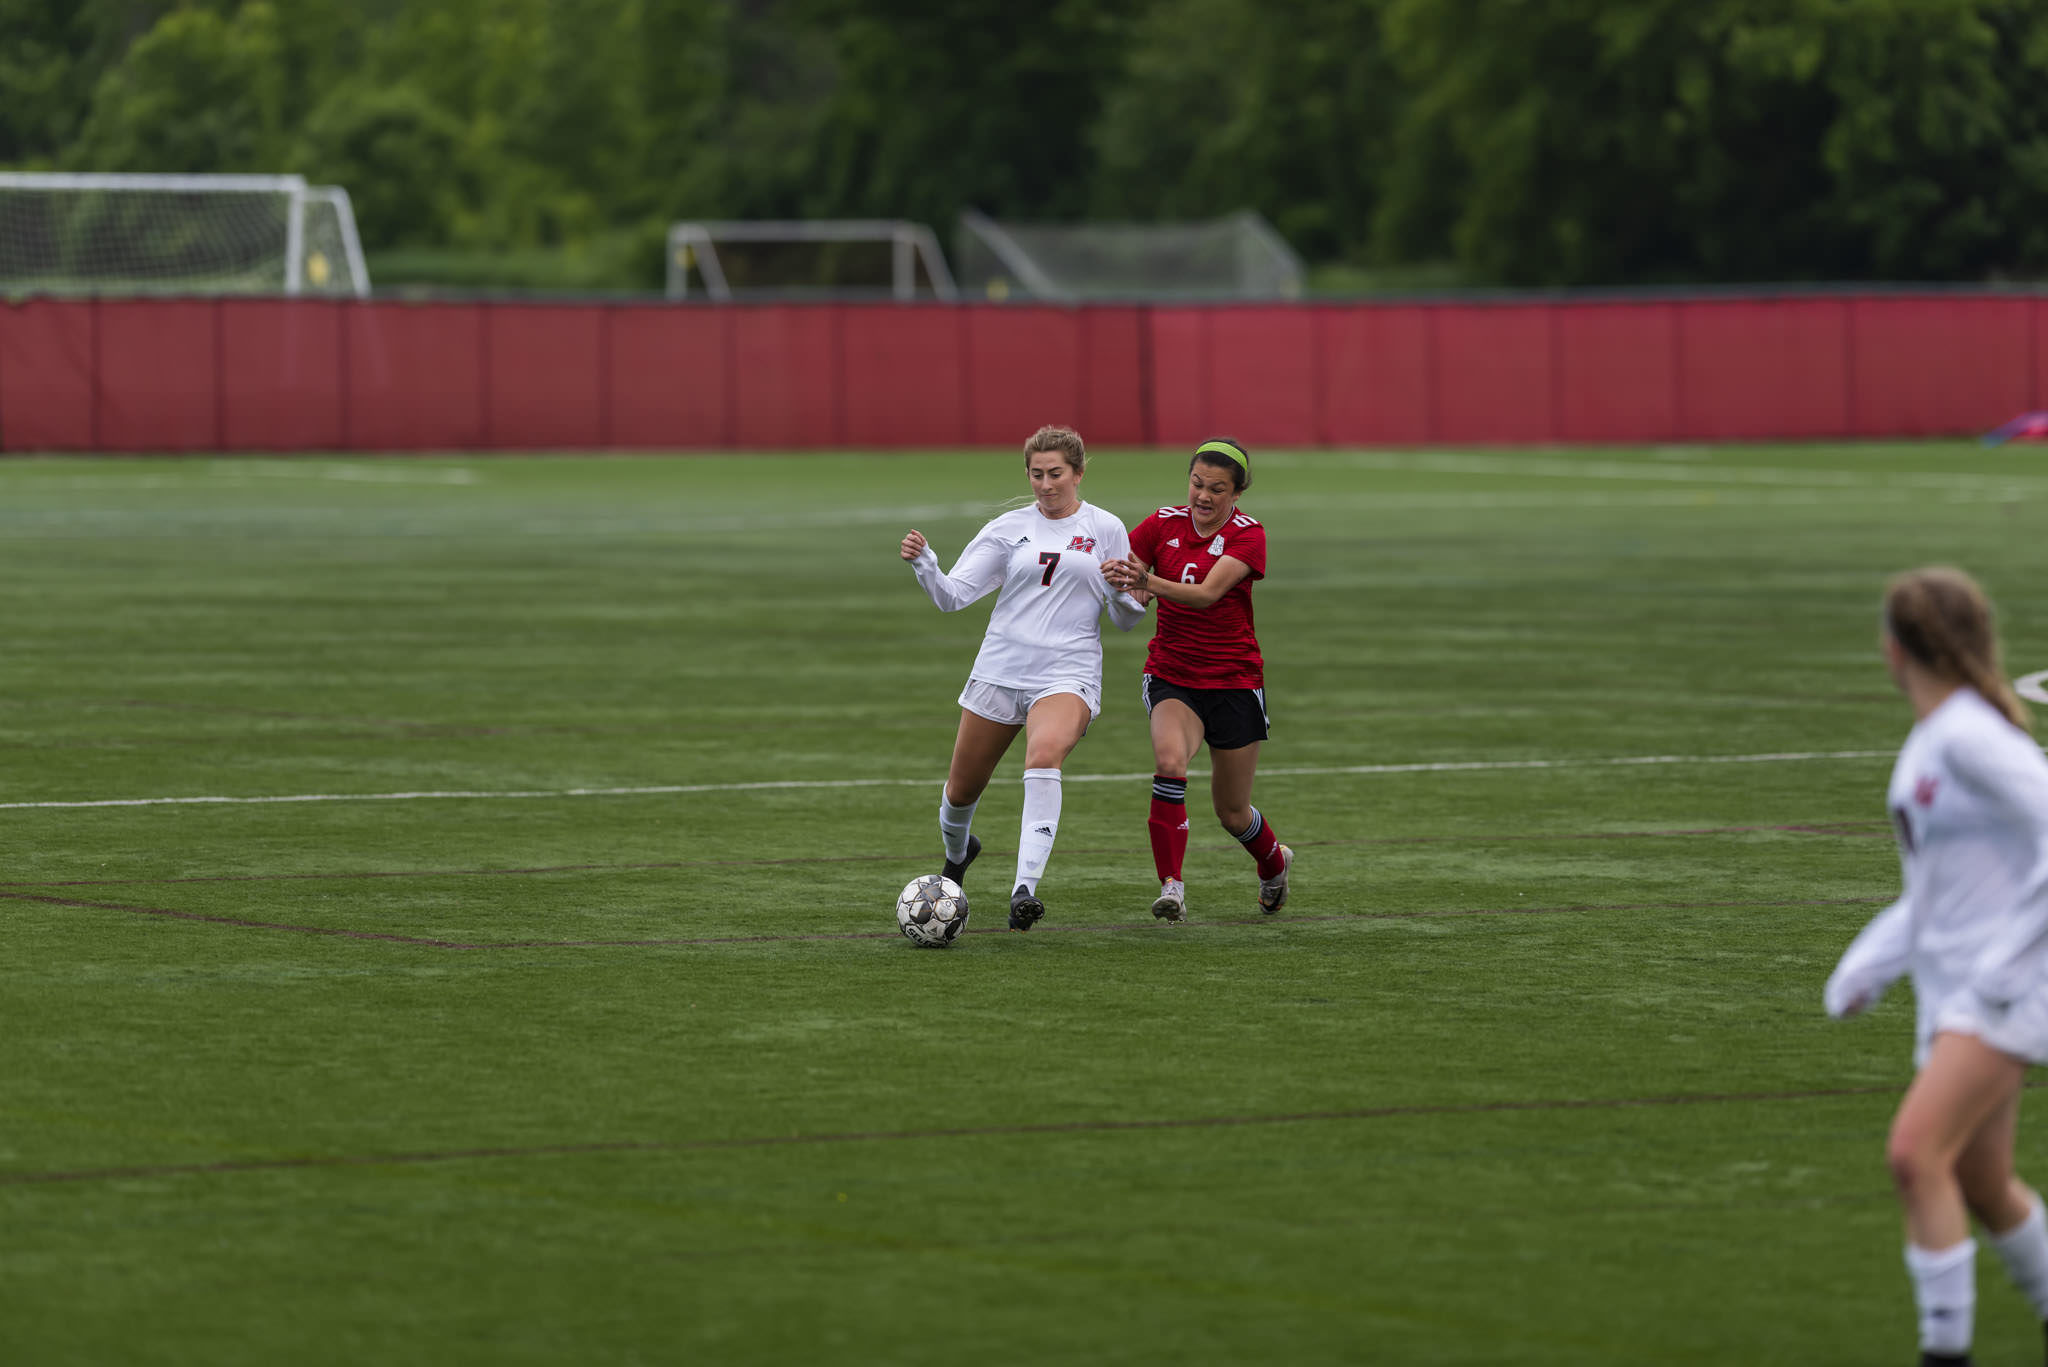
<point>1969,803</point>
<point>1040,666</point>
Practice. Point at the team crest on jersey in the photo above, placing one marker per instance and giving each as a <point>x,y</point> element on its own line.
<point>1923,791</point>
<point>1081,543</point>
<point>1216,546</point>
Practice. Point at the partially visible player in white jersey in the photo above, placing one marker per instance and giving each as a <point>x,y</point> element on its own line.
<point>1969,804</point>
<point>1040,666</point>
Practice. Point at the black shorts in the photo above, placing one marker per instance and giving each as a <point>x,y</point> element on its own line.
<point>1232,718</point>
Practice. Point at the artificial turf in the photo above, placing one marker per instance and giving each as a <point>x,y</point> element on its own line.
<point>565,1020</point>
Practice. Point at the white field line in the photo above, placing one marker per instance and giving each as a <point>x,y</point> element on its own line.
<point>2032,687</point>
<point>1452,463</point>
<point>363,474</point>
<point>782,785</point>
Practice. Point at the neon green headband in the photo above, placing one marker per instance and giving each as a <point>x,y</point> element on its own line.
<point>1225,450</point>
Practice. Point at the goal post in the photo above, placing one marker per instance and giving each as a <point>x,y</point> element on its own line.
<point>843,257</point>
<point>1238,256</point>
<point>122,233</point>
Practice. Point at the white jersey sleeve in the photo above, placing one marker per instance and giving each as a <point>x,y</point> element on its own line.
<point>1124,610</point>
<point>976,574</point>
<point>1878,957</point>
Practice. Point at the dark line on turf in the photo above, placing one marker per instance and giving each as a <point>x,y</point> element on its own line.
<point>242,923</point>
<point>239,1165</point>
<point>1878,831</point>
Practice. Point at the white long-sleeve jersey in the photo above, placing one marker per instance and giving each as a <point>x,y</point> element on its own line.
<point>1969,805</point>
<point>1046,627</point>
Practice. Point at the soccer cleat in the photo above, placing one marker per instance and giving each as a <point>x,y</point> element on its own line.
<point>1173,901</point>
<point>1025,909</point>
<point>958,872</point>
<point>1273,891</point>
<point>1944,1359</point>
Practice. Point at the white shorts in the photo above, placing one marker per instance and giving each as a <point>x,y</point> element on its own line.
<point>1008,706</point>
<point>2018,1027</point>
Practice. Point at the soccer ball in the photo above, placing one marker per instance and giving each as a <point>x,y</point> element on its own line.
<point>932,911</point>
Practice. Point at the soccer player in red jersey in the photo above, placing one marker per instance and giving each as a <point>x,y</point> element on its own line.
<point>1204,678</point>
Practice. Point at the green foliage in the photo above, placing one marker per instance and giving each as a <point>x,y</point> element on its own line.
<point>1580,141</point>
<point>1574,141</point>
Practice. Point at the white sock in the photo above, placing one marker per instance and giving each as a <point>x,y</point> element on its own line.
<point>1945,1289</point>
<point>954,824</point>
<point>1041,824</point>
<point>2024,1251</point>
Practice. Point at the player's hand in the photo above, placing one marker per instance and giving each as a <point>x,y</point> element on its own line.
<point>913,545</point>
<point>1123,574</point>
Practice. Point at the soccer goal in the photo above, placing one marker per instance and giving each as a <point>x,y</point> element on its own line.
<point>1236,257</point>
<point>160,234</point>
<point>823,258</point>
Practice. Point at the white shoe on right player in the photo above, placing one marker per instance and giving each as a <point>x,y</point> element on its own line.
<point>1172,904</point>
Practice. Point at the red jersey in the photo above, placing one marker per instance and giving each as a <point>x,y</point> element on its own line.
<point>1211,647</point>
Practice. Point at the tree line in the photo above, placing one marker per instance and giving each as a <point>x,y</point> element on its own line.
<point>1526,142</point>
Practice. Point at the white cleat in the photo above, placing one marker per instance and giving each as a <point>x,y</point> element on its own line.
<point>1173,901</point>
<point>1273,891</point>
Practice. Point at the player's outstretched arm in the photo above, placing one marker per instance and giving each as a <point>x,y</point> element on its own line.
<point>977,573</point>
<point>1227,573</point>
<point>1873,961</point>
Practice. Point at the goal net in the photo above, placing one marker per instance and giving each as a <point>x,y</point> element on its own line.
<point>817,258</point>
<point>1236,257</point>
<point>154,234</point>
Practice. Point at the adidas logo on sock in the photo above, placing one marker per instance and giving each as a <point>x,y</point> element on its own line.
<point>1041,830</point>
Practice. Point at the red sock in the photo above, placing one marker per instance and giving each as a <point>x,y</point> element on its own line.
<point>1168,825</point>
<point>1261,844</point>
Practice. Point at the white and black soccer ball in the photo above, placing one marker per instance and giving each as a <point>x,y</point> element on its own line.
<point>932,911</point>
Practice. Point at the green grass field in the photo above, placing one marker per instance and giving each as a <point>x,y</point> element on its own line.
<point>486,1057</point>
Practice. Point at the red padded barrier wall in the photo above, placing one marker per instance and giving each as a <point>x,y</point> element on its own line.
<point>1617,372</point>
<point>280,376</point>
<point>416,376</point>
<point>787,377</point>
<point>671,377</point>
<point>1495,374</point>
<point>545,382</point>
<point>1026,368</point>
<point>159,372</point>
<point>1181,389</point>
<point>1930,364</point>
<point>1114,379</point>
<point>1376,375</point>
<point>1755,368</point>
<point>47,376</point>
<point>1264,375</point>
<point>905,375</point>
<point>309,374</point>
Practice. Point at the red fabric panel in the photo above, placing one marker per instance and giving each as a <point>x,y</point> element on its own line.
<point>1263,375</point>
<point>1023,373</point>
<point>159,375</point>
<point>1754,368</point>
<point>545,378</point>
<point>1929,365</point>
<point>280,374</point>
<point>1495,374</point>
<point>1112,376</point>
<point>1617,372</point>
<point>46,376</point>
<point>906,374</point>
<point>1181,415</point>
<point>1375,374</point>
<point>786,378</point>
<point>671,377</point>
<point>415,376</point>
